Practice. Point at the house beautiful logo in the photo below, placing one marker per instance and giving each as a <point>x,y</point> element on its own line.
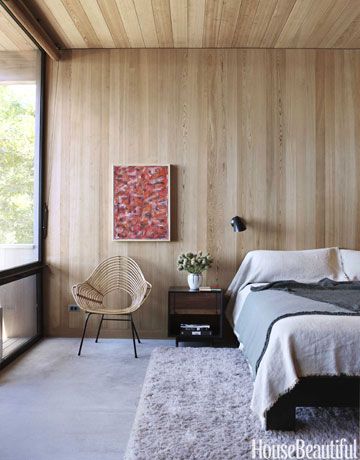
<point>340,449</point>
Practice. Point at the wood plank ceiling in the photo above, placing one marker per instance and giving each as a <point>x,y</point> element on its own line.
<point>12,38</point>
<point>200,23</point>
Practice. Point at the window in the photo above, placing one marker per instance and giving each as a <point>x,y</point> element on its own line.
<point>20,189</point>
<point>19,159</point>
<point>19,314</point>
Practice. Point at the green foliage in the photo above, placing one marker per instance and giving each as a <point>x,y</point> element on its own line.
<point>194,263</point>
<point>17,147</point>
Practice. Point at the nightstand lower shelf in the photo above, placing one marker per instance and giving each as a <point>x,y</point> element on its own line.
<point>188,338</point>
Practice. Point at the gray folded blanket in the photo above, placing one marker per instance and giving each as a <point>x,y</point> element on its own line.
<point>282,299</point>
<point>344,294</point>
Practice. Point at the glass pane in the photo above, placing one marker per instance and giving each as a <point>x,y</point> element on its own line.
<point>19,147</point>
<point>19,314</point>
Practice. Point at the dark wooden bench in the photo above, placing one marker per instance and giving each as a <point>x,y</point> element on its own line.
<point>313,392</point>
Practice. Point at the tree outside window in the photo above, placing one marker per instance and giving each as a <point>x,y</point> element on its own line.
<point>17,147</point>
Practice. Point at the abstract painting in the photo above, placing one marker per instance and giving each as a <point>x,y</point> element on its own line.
<point>141,203</point>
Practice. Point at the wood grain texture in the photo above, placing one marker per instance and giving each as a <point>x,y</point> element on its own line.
<point>53,16</point>
<point>28,26</point>
<point>163,24</point>
<point>12,38</point>
<point>97,17</point>
<point>201,23</point>
<point>270,135</point>
<point>131,23</point>
<point>146,20</point>
<point>179,22</point>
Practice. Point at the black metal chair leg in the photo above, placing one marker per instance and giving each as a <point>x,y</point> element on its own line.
<point>133,337</point>
<point>83,335</point>
<point>98,332</point>
<point>136,332</point>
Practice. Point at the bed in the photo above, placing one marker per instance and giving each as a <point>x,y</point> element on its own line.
<point>296,315</point>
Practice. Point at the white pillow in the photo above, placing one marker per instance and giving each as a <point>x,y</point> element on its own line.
<point>307,266</point>
<point>351,263</point>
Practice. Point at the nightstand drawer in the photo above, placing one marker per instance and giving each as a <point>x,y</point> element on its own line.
<point>201,303</point>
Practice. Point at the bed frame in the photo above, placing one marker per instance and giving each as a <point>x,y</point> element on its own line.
<point>313,392</point>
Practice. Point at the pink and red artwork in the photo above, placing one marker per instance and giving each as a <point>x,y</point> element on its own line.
<point>141,203</point>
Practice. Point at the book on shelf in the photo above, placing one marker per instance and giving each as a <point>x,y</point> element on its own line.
<point>209,289</point>
<point>196,333</point>
<point>194,327</point>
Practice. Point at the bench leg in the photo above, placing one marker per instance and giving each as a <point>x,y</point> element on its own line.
<point>282,416</point>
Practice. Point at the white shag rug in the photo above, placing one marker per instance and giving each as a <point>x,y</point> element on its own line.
<point>195,405</point>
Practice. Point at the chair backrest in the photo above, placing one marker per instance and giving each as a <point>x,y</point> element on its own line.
<point>118,272</point>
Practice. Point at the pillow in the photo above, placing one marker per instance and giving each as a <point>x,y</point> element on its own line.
<point>351,263</point>
<point>307,266</point>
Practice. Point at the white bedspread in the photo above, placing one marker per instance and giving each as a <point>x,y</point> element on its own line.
<point>302,346</point>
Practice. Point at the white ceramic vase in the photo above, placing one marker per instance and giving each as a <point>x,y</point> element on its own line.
<point>194,281</point>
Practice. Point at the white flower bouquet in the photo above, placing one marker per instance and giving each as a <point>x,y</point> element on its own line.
<point>194,263</point>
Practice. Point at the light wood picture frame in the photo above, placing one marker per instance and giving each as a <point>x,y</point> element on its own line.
<point>141,202</point>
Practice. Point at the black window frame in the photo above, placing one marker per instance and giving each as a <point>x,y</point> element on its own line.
<point>37,267</point>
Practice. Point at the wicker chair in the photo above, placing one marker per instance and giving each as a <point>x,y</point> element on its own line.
<point>116,273</point>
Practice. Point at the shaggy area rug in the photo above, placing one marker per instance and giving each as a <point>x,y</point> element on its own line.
<point>195,405</point>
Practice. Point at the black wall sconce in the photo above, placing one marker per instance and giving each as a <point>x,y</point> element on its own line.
<point>238,224</point>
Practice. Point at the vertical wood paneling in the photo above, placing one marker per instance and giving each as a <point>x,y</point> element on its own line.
<point>320,145</point>
<point>271,135</point>
<point>345,150</point>
<point>330,171</point>
<point>252,112</point>
<point>275,149</point>
<point>300,148</point>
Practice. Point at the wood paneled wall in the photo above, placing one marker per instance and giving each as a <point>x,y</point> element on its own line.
<point>271,135</point>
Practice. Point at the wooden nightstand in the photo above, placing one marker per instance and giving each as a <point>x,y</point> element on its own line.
<point>195,307</point>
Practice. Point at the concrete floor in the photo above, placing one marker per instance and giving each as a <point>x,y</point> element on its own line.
<point>55,405</point>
